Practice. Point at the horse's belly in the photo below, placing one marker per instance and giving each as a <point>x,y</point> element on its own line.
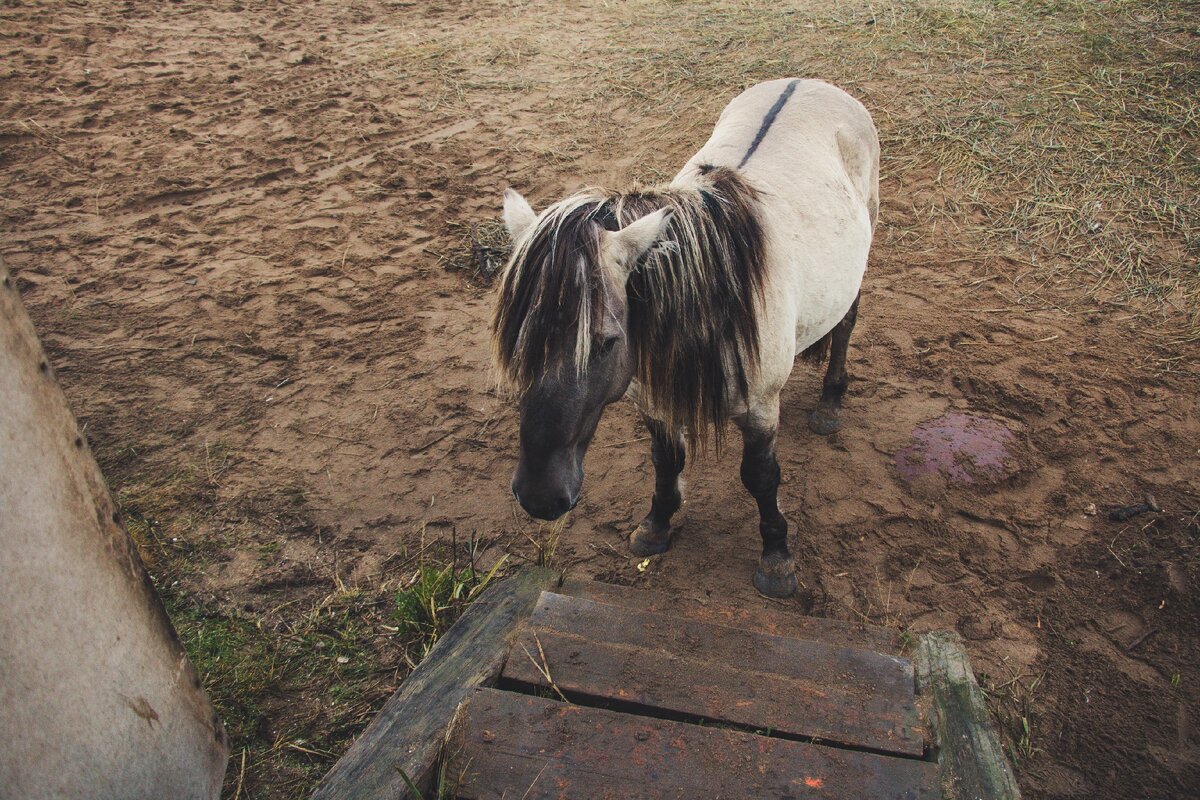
<point>825,296</point>
<point>819,259</point>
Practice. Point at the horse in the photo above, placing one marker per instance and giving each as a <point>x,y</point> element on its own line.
<point>693,299</point>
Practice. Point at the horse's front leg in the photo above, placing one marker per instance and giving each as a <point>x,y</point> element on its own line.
<point>776,575</point>
<point>668,452</point>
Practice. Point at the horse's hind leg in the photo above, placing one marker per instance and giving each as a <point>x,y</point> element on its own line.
<point>668,452</point>
<point>776,575</point>
<point>826,417</point>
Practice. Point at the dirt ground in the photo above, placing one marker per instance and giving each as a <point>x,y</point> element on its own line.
<point>231,223</point>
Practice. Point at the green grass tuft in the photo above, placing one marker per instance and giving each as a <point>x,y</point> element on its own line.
<point>435,597</point>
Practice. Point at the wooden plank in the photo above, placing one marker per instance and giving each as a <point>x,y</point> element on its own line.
<point>407,735</point>
<point>512,746</point>
<point>676,666</point>
<point>972,762</point>
<point>762,618</point>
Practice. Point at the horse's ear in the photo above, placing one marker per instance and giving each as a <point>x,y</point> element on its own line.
<point>630,243</point>
<point>518,214</point>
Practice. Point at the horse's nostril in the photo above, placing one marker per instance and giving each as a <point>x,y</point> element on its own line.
<point>546,508</point>
<point>544,497</point>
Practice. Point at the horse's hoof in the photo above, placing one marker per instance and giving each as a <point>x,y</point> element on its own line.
<point>645,542</point>
<point>776,576</point>
<point>775,586</point>
<point>825,420</point>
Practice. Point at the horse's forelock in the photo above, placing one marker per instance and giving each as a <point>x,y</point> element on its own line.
<point>549,290</point>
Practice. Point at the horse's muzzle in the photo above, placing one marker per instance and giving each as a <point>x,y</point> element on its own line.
<point>545,505</point>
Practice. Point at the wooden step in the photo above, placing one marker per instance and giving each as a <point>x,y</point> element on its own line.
<point>511,746</point>
<point>684,668</point>
<point>762,617</point>
<point>673,700</point>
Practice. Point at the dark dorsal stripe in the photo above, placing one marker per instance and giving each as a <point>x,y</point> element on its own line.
<point>768,120</point>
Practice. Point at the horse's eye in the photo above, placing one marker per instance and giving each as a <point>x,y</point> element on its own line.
<point>607,344</point>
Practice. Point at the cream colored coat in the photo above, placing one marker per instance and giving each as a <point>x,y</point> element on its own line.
<point>818,170</point>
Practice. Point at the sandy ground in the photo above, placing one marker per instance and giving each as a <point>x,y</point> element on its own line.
<point>226,221</point>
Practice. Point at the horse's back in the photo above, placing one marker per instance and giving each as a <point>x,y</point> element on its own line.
<point>791,129</point>
<point>812,151</point>
<point>809,147</point>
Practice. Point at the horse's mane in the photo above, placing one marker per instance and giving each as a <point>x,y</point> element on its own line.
<point>693,299</point>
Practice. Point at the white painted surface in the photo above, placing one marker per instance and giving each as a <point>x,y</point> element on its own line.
<point>97,699</point>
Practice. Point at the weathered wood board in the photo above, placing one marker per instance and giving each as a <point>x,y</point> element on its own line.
<point>762,619</point>
<point>972,761</point>
<point>680,666</point>
<point>512,746</point>
<point>405,739</point>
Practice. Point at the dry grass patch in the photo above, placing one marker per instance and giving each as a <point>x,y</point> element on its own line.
<point>1054,141</point>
